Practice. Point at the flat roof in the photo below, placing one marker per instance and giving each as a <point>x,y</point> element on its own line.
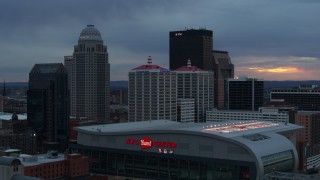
<point>224,129</point>
<point>7,116</point>
<point>42,158</point>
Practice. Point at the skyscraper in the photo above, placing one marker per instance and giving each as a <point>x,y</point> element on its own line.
<point>89,80</point>
<point>197,45</point>
<point>196,84</point>
<point>152,93</point>
<point>48,105</point>
<point>194,44</point>
<point>245,94</point>
<point>223,70</point>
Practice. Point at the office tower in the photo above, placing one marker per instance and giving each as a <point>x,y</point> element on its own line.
<point>245,94</point>
<point>68,64</point>
<point>4,91</point>
<point>197,45</point>
<point>311,122</point>
<point>194,44</point>
<point>1,103</point>
<point>3,97</point>
<point>304,97</point>
<point>223,70</point>
<point>152,93</point>
<point>197,84</point>
<point>308,139</point>
<point>89,80</point>
<point>48,102</point>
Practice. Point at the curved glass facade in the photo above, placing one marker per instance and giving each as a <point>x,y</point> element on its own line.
<point>283,161</point>
<point>163,166</point>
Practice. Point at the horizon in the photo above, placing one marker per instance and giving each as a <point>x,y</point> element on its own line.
<point>267,40</point>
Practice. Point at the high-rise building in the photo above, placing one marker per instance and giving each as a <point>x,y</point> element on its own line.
<point>3,97</point>
<point>48,102</point>
<point>1,103</point>
<point>310,120</point>
<point>195,44</point>
<point>223,70</point>
<point>308,139</point>
<point>89,80</point>
<point>245,94</point>
<point>305,98</point>
<point>152,93</point>
<point>195,83</point>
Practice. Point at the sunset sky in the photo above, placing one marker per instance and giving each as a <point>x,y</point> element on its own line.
<point>272,40</point>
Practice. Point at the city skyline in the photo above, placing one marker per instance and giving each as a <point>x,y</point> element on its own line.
<point>270,40</point>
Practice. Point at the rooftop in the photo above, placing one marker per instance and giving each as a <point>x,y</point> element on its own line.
<point>90,33</point>
<point>7,116</point>
<point>48,68</point>
<point>33,160</point>
<point>225,129</point>
<point>189,67</point>
<point>149,66</point>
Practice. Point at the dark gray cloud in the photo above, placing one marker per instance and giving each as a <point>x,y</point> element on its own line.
<point>40,31</point>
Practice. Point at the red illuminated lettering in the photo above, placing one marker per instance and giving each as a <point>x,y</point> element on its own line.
<point>146,143</point>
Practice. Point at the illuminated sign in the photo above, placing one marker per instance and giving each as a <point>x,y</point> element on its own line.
<point>178,34</point>
<point>146,143</point>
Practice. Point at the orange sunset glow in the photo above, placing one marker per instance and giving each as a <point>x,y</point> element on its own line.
<point>276,70</point>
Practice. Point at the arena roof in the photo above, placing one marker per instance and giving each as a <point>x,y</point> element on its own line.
<point>225,129</point>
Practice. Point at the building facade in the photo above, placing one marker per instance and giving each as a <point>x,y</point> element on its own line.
<point>227,115</point>
<point>223,70</point>
<point>171,150</point>
<point>10,167</point>
<point>195,44</point>
<point>48,102</point>
<point>89,80</point>
<point>245,94</point>
<point>152,93</point>
<point>1,103</point>
<point>311,123</point>
<point>303,98</point>
<point>195,83</point>
<point>54,166</point>
<point>185,110</point>
<point>308,139</point>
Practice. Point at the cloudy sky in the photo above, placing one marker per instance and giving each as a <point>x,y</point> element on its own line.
<point>273,40</point>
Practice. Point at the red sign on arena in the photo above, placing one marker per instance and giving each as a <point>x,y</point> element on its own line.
<point>146,143</point>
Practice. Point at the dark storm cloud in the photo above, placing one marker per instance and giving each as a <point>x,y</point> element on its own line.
<point>38,31</point>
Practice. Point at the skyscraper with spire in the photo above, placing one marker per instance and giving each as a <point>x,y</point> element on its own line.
<point>89,77</point>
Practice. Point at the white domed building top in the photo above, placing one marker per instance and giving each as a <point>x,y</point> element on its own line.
<point>90,33</point>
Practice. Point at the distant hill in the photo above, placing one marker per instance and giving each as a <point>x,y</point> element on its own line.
<point>15,84</point>
<point>118,84</point>
<point>124,84</point>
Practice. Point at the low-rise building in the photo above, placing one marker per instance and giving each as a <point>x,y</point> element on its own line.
<point>263,115</point>
<point>47,166</point>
